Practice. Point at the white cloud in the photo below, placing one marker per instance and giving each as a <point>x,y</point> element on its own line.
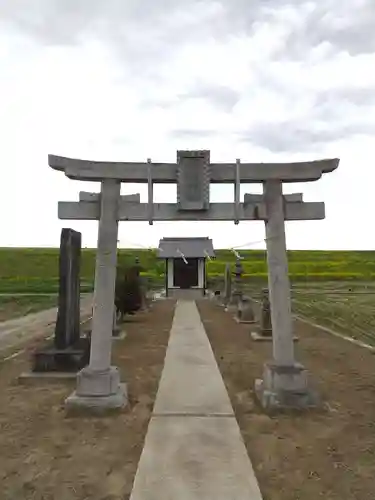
<point>129,80</point>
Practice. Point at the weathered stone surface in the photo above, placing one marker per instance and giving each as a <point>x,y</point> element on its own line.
<point>166,172</point>
<point>95,197</point>
<point>237,290</point>
<point>98,382</point>
<point>70,359</point>
<point>193,180</point>
<point>265,315</point>
<point>284,383</point>
<point>85,210</point>
<point>94,405</point>
<point>227,284</point>
<point>259,337</point>
<point>31,378</point>
<point>285,388</point>
<point>278,276</point>
<point>245,311</point>
<point>98,385</point>
<point>105,277</point>
<point>116,330</point>
<point>68,316</point>
<point>68,352</point>
<point>258,198</point>
<point>265,330</point>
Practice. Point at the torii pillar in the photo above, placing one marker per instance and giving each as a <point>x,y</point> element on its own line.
<point>285,381</point>
<point>98,384</point>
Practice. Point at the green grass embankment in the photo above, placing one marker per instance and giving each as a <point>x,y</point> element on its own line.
<point>35,270</point>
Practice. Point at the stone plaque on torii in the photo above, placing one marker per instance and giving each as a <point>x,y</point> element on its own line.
<point>284,380</point>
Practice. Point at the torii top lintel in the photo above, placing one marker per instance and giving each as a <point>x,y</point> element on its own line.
<point>139,172</point>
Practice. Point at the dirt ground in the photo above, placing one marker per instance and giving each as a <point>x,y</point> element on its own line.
<point>24,331</point>
<point>328,454</point>
<point>15,306</point>
<point>46,456</point>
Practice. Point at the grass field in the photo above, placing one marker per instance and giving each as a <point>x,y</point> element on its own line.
<point>352,314</point>
<point>345,307</point>
<point>327,286</point>
<point>18,306</point>
<point>36,269</point>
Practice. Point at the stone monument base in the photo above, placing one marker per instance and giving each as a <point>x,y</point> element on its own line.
<point>245,312</point>
<point>116,331</point>
<point>230,307</point>
<point>245,315</point>
<point>97,392</point>
<point>245,321</point>
<point>264,337</point>
<point>285,388</point>
<point>261,336</point>
<point>71,359</point>
<point>97,405</point>
<point>217,298</point>
<point>47,377</point>
<point>118,334</point>
<point>145,307</point>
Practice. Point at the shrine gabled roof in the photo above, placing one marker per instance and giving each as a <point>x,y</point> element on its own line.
<point>170,248</point>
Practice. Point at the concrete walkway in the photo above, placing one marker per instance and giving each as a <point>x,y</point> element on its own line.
<point>193,447</point>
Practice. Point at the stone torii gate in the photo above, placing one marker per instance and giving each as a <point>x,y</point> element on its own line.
<point>284,381</point>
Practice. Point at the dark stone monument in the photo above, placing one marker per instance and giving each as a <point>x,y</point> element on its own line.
<point>68,351</point>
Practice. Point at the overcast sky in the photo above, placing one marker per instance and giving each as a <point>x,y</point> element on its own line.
<point>126,80</point>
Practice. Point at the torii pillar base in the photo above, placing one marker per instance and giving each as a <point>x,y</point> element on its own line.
<point>285,388</point>
<point>97,392</point>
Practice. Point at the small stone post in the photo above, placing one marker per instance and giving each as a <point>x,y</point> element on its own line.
<point>245,312</point>
<point>227,285</point>
<point>142,285</point>
<point>237,292</point>
<point>284,383</point>
<point>98,384</point>
<point>265,318</point>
